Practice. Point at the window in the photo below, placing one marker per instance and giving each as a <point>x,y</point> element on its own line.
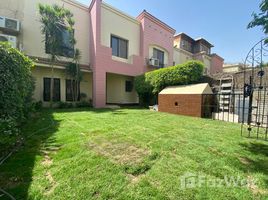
<point>56,89</point>
<point>186,45</point>
<point>119,47</point>
<point>66,47</point>
<point>160,55</point>
<point>70,89</point>
<point>205,48</point>
<point>128,86</point>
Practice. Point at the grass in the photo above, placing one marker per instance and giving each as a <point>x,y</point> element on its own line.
<point>131,154</point>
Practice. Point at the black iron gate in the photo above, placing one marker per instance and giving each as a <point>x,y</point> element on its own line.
<point>255,94</point>
<point>247,103</point>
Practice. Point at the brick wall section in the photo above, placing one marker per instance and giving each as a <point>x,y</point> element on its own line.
<point>216,64</point>
<point>188,104</point>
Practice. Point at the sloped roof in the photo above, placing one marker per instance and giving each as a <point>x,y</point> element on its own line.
<point>202,88</point>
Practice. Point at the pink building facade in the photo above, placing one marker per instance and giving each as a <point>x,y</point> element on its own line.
<point>115,47</point>
<point>153,33</point>
<point>156,39</point>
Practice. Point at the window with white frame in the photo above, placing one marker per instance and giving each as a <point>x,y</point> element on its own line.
<point>119,47</point>
<point>160,55</point>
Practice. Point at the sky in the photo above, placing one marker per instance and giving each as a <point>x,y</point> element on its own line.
<point>222,22</point>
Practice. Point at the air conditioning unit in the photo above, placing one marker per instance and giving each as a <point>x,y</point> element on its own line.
<point>8,38</point>
<point>154,62</point>
<point>9,24</point>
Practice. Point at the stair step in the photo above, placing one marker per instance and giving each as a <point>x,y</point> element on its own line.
<point>226,85</point>
<point>225,91</point>
<point>225,102</point>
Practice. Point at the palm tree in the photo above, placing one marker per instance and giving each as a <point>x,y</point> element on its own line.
<point>77,57</point>
<point>55,20</point>
<point>73,71</point>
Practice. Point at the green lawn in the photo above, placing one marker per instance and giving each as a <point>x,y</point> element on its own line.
<point>132,154</point>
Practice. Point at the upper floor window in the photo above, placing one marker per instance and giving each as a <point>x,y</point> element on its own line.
<point>66,45</point>
<point>160,55</point>
<point>119,47</point>
<point>186,45</point>
<point>205,48</point>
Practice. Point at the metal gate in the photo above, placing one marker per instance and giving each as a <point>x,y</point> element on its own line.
<point>255,94</point>
<point>247,103</point>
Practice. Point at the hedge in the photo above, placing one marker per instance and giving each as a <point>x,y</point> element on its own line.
<point>148,85</point>
<point>16,87</point>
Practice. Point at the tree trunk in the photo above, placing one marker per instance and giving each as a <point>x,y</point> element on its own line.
<point>72,89</point>
<point>77,85</point>
<point>52,83</point>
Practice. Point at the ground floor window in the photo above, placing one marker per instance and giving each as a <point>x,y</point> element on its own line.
<point>128,86</point>
<point>71,88</point>
<point>56,89</point>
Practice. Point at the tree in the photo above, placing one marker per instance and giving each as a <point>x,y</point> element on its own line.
<point>78,77</point>
<point>74,72</point>
<point>148,85</point>
<point>55,22</point>
<point>261,19</point>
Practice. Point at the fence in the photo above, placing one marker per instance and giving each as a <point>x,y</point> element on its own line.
<point>234,107</point>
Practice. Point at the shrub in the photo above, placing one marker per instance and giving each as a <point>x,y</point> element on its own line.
<point>151,83</point>
<point>38,105</point>
<point>8,126</point>
<point>83,104</point>
<point>83,96</point>
<point>16,87</point>
<point>65,105</point>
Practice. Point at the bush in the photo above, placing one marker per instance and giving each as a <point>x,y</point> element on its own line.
<point>38,105</point>
<point>83,104</point>
<point>16,87</point>
<point>65,105</point>
<point>83,96</point>
<point>151,83</point>
<point>8,126</point>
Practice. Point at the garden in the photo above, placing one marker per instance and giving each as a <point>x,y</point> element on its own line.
<point>131,153</point>
<point>127,153</point>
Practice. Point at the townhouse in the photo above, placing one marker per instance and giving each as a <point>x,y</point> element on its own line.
<point>115,48</point>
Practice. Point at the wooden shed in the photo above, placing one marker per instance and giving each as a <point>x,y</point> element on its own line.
<point>184,100</point>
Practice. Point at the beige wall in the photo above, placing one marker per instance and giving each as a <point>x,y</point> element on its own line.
<point>116,90</point>
<point>231,69</point>
<point>207,63</point>
<point>166,56</point>
<point>177,42</point>
<point>116,23</point>
<point>41,72</point>
<point>181,56</point>
<point>30,36</point>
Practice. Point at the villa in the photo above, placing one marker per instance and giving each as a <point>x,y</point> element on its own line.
<point>115,48</point>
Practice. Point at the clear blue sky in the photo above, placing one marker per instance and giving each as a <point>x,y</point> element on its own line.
<point>221,22</point>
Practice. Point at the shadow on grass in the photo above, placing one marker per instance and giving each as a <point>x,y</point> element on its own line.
<point>260,163</point>
<point>16,173</point>
<point>256,148</point>
<point>101,110</point>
